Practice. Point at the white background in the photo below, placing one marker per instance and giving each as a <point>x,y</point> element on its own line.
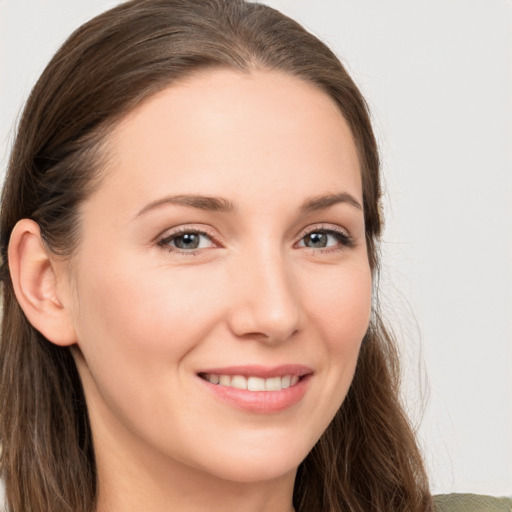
<point>438,77</point>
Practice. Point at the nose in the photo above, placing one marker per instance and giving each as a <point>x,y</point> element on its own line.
<point>266,302</point>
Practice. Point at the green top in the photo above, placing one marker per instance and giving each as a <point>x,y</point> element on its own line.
<point>471,503</point>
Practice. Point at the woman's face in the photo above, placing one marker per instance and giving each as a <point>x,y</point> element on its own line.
<point>224,248</point>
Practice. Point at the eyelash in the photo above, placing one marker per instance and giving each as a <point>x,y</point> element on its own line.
<point>343,238</point>
<point>165,241</point>
<point>341,235</point>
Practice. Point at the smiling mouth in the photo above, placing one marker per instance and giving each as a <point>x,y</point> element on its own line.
<point>258,389</point>
<point>251,383</point>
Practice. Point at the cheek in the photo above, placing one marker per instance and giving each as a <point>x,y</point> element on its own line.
<point>341,308</point>
<point>144,308</point>
<point>342,315</point>
<point>135,328</point>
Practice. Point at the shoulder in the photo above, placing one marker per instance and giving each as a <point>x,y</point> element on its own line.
<point>471,503</point>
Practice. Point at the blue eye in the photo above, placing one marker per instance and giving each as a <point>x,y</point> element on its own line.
<point>324,239</point>
<point>187,241</point>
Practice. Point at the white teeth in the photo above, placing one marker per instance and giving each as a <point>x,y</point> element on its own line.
<point>224,380</point>
<point>273,384</point>
<point>252,383</point>
<point>255,384</point>
<point>239,382</point>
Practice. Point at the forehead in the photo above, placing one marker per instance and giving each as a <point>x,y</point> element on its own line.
<point>226,132</point>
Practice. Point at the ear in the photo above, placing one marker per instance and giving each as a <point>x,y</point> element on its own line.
<point>36,284</point>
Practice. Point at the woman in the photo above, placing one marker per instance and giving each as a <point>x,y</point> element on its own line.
<point>189,239</point>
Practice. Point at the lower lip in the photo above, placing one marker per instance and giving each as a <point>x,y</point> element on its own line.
<point>261,402</point>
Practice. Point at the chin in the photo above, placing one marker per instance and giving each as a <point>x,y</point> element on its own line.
<point>246,471</point>
<point>268,461</point>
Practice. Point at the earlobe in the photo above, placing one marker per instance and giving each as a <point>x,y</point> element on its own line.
<point>35,284</point>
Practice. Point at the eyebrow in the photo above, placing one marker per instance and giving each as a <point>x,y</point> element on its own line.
<point>219,204</point>
<point>323,202</point>
<point>214,204</point>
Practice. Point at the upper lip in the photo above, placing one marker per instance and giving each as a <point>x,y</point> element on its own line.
<point>261,371</point>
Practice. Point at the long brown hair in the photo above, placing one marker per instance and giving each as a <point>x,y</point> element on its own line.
<point>367,460</point>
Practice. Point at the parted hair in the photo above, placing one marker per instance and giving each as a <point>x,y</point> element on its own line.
<point>367,460</point>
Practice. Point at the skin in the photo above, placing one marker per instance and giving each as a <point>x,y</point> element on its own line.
<point>144,317</point>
